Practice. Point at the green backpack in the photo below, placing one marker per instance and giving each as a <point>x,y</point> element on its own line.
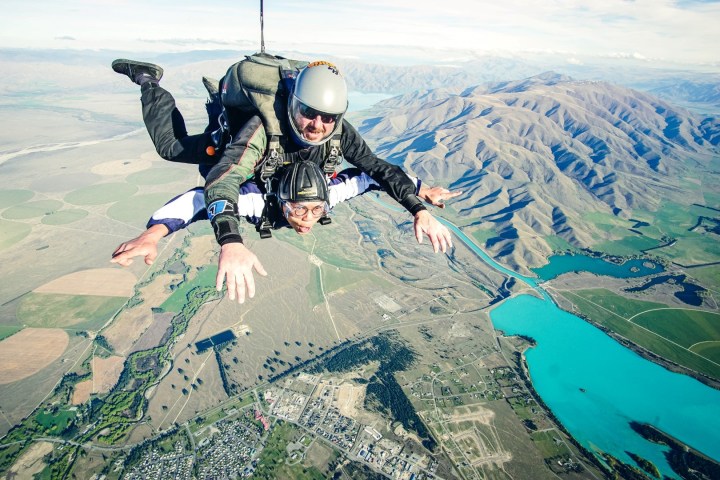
<point>260,85</point>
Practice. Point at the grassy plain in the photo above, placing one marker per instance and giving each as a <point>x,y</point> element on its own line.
<point>12,232</point>
<point>138,206</point>
<point>65,311</point>
<point>709,350</point>
<point>9,330</point>
<point>101,194</point>
<point>273,459</point>
<point>34,209</point>
<point>671,220</point>
<point>205,278</point>
<point>63,217</point>
<point>684,327</point>
<point>9,198</point>
<point>157,176</point>
<point>29,351</point>
<point>557,243</point>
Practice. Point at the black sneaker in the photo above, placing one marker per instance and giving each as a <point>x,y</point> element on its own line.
<point>138,72</point>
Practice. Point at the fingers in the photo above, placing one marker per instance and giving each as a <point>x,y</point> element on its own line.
<point>220,279</point>
<point>448,238</point>
<point>418,232</point>
<point>435,242</point>
<point>150,258</point>
<point>249,282</point>
<point>259,268</point>
<point>122,259</point>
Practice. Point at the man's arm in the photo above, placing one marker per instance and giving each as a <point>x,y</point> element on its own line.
<point>144,244</point>
<point>237,165</point>
<point>394,181</point>
<point>177,214</point>
<point>352,182</point>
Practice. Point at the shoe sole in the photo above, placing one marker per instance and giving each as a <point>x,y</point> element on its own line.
<point>131,67</point>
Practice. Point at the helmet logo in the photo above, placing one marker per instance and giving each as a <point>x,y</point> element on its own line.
<point>329,65</point>
<point>307,192</point>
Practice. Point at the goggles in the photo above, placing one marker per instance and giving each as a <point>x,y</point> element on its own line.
<point>298,210</point>
<point>311,114</point>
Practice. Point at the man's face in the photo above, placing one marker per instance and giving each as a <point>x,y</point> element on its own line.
<point>302,216</point>
<point>313,125</point>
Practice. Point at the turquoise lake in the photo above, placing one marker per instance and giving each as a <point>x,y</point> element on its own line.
<point>620,386</point>
<point>559,264</point>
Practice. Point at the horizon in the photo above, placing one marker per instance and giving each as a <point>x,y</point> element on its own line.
<point>653,32</point>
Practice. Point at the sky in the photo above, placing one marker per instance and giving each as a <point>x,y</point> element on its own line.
<point>683,32</point>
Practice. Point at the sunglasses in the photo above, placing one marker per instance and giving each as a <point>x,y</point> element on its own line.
<point>311,114</point>
<point>297,210</point>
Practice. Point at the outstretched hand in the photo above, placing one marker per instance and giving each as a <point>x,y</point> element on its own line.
<point>144,244</point>
<point>437,195</point>
<point>235,268</point>
<point>439,235</point>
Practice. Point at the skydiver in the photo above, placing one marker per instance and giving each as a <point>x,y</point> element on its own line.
<point>315,110</point>
<point>303,196</point>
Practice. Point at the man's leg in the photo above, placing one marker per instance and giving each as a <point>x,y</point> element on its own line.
<point>163,120</point>
<point>166,127</point>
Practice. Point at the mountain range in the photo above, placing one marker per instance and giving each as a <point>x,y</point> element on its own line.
<point>534,157</point>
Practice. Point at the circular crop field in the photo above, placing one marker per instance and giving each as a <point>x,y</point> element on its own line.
<point>159,176</point>
<point>12,232</point>
<point>63,217</point>
<point>101,194</point>
<point>111,282</point>
<point>49,310</point>
<point>121,167</point>
<point>64,182</point>
<point>139,208</point>
<point>9,198</point>
<point>29,351</point>
<point>32,209</point>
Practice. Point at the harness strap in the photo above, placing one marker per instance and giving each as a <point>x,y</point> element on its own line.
<point>333,157</point>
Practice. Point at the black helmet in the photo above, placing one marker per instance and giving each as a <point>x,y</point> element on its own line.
<point>303,182</point>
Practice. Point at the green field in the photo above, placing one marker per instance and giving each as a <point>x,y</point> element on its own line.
<point>482,235</point>
<point>139,208</point>
<point>159,176</point>
<point>684,327</point>
<point>9,330</point>
<point>618,304</point>
<point>671,220</point>
<point>101,194</point>
<point>617,322</point>
<point>709,350</point>
<point>63,217</point>
<point>9,198</point>
<point>32,209</point>
<point>54,423</point>
<point>178,299</point>
<point>12,232</point>
<point>49,310</point>
<point>558,244</point>
<point>545,443</point>
<point>313,290</point>
<point>272,462</point>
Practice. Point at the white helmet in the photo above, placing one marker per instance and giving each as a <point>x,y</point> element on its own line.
<point>319,90</point>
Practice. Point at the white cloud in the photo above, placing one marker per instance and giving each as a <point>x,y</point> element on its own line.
<point>683,31</point>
